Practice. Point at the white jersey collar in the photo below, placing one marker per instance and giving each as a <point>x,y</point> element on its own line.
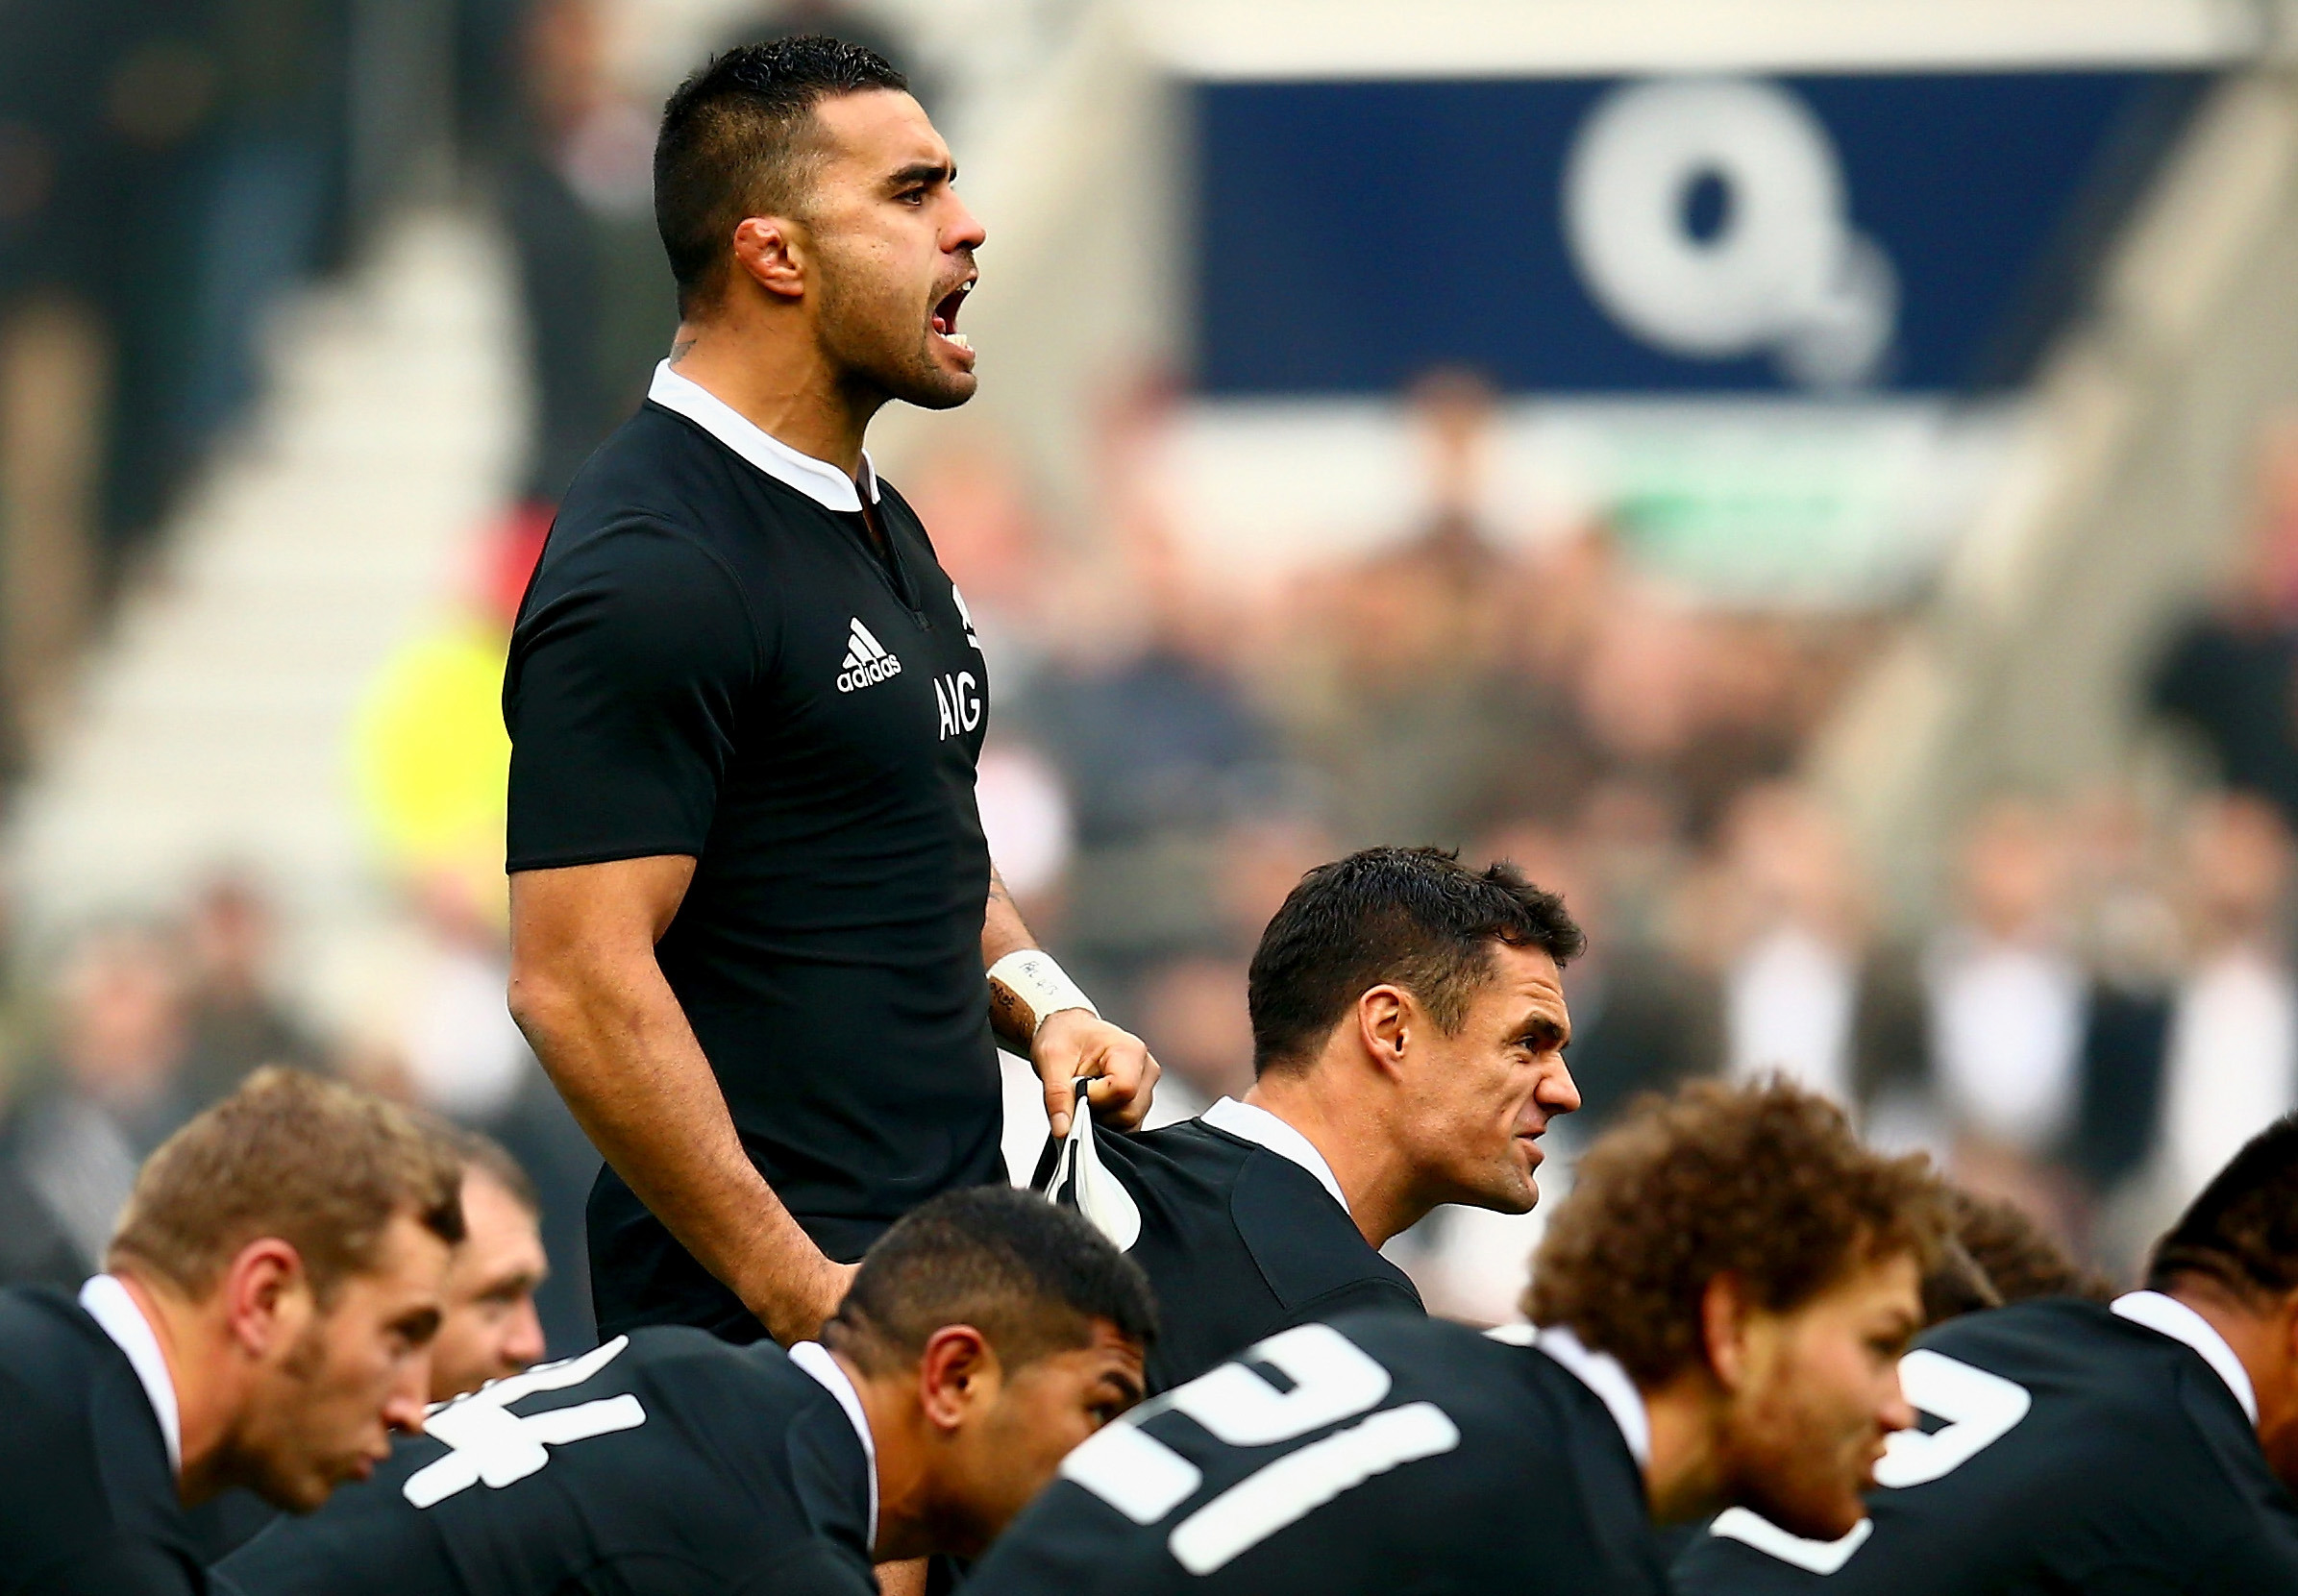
<point>1600,1372</point>
<point>817,480</point>
<point>2175,1319</point>
<point>1259,1126</point>
<point>814,1358</point>
<point>108,1303</point>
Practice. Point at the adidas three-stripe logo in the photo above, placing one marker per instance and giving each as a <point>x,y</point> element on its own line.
<point>867,660</point>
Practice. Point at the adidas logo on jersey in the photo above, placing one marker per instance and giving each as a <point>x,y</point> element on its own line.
<point>867,660</point>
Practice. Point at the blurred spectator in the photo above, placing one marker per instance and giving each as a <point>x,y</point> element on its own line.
<point>111,1092</point>
<point>1263,858</point>
<point>2233,1064</point>
<point>577,198</point>
<point>1026,814</point>
<point>1643,1018</point>
<point>237,1023</point>
<point>463,1056</point>
<point>2006,994</point>
<point>2130,939</point>
<point>2010,1007</point>
<point>975,498</point>
<point>1136,704</point>
<point>1191,1013</point>
<point>2232,674</point>
<point>1804,991</point>
<point>1408,701</point>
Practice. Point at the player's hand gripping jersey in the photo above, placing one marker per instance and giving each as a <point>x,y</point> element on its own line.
<point>1383,1455</point>
<point>2066,1448</point>
<point>665,1462</point>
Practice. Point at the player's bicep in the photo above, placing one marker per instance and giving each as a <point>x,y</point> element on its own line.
<point>625,682</point>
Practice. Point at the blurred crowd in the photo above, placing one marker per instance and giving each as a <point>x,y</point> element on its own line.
<point>169,168</point>
<point>2103,1010</point>
<point>135,1026</point>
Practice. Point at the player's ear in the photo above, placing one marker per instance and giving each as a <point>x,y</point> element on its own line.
<point>769,252</point>
<point>2287,1322</point>
<point>957,1374</point>
<point>1723,1330</point>
<point>1386,1017</point>
<point>266,1295</point>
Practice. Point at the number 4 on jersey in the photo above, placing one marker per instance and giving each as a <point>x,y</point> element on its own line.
<point>1332,1380</point>
<point>488,1442</point>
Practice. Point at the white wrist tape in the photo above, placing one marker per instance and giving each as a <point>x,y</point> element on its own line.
<point>1039,986</point>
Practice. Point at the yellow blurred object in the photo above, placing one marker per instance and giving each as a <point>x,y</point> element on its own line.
<point>431,761</point>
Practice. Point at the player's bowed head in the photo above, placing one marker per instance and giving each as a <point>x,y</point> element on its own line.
<point>289,1248</point>
<point>1755,1270</point>
<point>2233,1258</point>
<point>988,1333</point>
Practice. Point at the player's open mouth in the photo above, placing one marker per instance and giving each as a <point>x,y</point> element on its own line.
<point>945,317</point>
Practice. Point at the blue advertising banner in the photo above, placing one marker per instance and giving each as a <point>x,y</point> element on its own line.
<point>1915,233</point>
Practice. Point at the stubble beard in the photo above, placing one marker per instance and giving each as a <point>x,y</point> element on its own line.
<point>882,346</point>
<point>290,1474</point>
<point>1791,1482</point>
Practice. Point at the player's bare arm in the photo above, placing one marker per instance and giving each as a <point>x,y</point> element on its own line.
<point>1037,1010</point>
<point>592,1000</point>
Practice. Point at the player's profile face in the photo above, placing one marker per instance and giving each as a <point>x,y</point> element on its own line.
<point>893,248</point>
<point>490,1330</point>
<point>1481,1096</point>
<point>1042,1411</point>
<point>329,1400</point>
<point>1819,1396</point>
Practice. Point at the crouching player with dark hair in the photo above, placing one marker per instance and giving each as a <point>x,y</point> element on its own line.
<point>264,1320</point>
<point>985,1335</point>
<point>1725,1295</point>
<point>2138,1447</point>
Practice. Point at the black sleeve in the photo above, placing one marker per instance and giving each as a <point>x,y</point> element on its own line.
<point>627,672</point>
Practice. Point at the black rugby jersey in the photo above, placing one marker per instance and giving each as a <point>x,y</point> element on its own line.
<point>1383,1455</point>
<point>2074,1450</point>
<point>1239,1243</point>
<point>663,1463</point>
<point>712,660</point>
<point>87,1495</point>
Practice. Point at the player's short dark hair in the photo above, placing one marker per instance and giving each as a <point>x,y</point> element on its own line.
<point>737,141</point>
<point>1031,1277</point>
<point>1414,916</point>
<point>2242,1231</point>
<point>1763,1182</point>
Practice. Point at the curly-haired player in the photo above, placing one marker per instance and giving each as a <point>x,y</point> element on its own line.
<point>1725,1295</point>
<point>2130,1447</point>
